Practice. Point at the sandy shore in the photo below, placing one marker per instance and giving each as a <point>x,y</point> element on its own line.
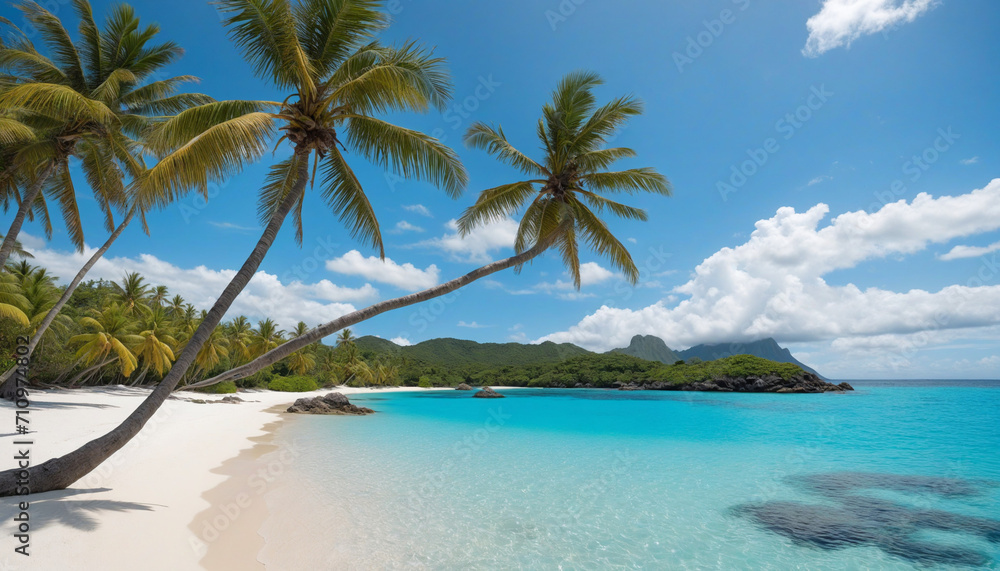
<point>187,477</point>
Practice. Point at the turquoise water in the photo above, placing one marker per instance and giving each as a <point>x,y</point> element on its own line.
<point>892,476</point>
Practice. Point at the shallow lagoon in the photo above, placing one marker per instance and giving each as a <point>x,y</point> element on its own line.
<point>893,476</point>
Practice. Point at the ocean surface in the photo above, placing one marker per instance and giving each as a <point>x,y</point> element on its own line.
<point>896,475</point>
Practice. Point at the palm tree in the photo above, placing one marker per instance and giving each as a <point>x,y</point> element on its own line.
<point>323,50</point>
<point>176,306</point>
<point>13,304</point>
<point>567,187</point>
<point>212,352</point>
<point>267,336</point>
<point>39,290</point>
<point>133,293</point>
<point>155,349</point>
<point>239,335</point>
<point>109,340</point>
<point>346,337</point>
<point>158,296</point>
<point>301,361</point>
<point>87,101</point>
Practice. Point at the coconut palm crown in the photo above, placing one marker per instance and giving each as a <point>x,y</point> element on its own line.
<point>92,99</point>
<point>564,195</point>
<point>325,54</point>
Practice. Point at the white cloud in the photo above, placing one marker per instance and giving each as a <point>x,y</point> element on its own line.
<point>401,341</point>
<point>632,240</point>
<point>404,276</point>
<point>472,325</point>
<point>773,284</point>
<point>231,226</point>
<point>971,161</point>
<point>959,252</point>
<point>591,273</point>
<point>840,22</point>
<point>404,226</point>
<point>419,209</point>
<point>265,296</point>
<point>478,245</point>
<point>819,179</point>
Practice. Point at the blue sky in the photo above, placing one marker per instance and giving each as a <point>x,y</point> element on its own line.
<point>833,108</point>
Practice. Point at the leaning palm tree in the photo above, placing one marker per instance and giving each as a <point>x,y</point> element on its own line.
<point>340,77</point>
<point>564,201</point>
<point>88,101</point>
<point>132,293</point>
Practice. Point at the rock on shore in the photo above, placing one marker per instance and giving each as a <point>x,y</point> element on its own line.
<point>332,403</point>
<point>463,387</point>
<point>488,393</point>
<point>801,383</point>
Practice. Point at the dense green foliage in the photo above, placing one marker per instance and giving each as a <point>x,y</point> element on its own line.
<point>223,388</point>
<point>460,352</point>
<point>293,384</point>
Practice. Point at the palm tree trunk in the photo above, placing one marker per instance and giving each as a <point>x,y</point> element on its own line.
<point>26,202</point>
<point>283,351</point>
<point>96,367</point>
<point>69,370</point>
<point>58,473</point>
<point>139,378</point>
<point>7,388</point>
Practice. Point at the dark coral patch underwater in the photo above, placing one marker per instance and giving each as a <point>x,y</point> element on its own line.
<point>859,520</point>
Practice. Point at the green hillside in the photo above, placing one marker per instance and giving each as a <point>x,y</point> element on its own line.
<point>765,349</point>
<point>459,352</point>
<point>650,348</point>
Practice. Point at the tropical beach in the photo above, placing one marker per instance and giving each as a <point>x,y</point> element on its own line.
<point>366,284</point>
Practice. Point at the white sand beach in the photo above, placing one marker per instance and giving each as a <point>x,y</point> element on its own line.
<point>140,509</point>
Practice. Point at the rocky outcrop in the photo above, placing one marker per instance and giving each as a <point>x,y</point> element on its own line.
<point>488,393</point>
<point>332,403</point>
<point>802,383</point>
<point>463,387</point>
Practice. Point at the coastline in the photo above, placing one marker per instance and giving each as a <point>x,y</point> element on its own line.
<point>140,507</point>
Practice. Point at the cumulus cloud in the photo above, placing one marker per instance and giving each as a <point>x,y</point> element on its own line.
<point>773,284</point>
<point>479,245</point>
<point>404,276</point>
<point>959,252</point>
<point>840,22</point>
<point>419,209</point>
<point>401,341</point>
<point>472,325</point>
<point>265,296</point>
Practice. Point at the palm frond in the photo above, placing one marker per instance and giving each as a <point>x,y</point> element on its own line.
<point>214,153</point>
<point>330,31</point>
<point>411,154</point>
<point>495,204</point>
<point>343,192</point>
<point>56,101</point>
<point>601,240</point>
<point>621,210</point>
<point>264,31</point>
<point>493,141</point>
<point>60,188</point>
<point>628,181</point>
<point>377,79</point>
<point>57,38</point>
